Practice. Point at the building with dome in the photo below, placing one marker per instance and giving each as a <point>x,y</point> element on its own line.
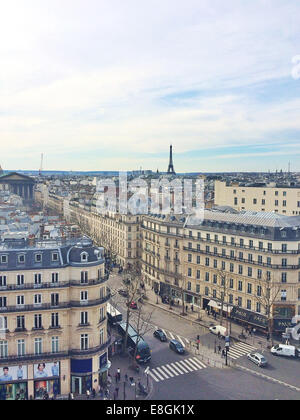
<point>53,329</point>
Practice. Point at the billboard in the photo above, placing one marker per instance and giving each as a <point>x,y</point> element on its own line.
<point>13,373</point>
<point>46,370</point>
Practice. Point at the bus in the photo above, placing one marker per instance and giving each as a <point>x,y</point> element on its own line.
<point>113,315</point>
<point>143,353</point>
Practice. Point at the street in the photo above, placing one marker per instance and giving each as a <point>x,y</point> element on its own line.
<point>188,377</point>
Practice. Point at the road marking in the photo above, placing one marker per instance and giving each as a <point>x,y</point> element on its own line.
<point>162,372</point>
<point>172,336</point>
<point>183,367</point>
<point>178,369</point>
<point>188,362</point>
<point>158,374</point>
<point>172,370</point>
<point>179,339</point>
<point>153,376</point>
<point>168,371</point>
<point>197,361</point>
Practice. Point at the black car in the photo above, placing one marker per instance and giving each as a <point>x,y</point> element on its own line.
<point>123,292</point>
<point>177,347</point>
<point>160,335</point>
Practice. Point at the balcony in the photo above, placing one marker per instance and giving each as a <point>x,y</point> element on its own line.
<point>48,306</point>
<point>90,350</point>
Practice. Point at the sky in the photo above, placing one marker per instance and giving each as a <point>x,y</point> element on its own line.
<point>110,84</point>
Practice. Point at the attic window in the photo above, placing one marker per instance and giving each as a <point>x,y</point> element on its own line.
<point>38,258</point>
<point>21,258</point>
<point>55,256</point>
<point>84,257</point>
<point>3,259</point>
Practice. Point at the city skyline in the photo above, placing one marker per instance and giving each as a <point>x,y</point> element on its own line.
<point>111,86</point>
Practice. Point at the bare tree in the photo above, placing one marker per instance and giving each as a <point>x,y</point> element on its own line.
<point>142,327</point>
<point>267,293</point>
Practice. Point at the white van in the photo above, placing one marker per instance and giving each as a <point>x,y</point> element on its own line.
<point>284,350</point>
<point>219,330</point>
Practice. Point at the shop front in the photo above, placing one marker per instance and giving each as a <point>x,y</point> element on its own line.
<point>13,383</point>
<point>104,365</point>
<point>81,375</point>
<point>46,379</point>
<point>249,318</point>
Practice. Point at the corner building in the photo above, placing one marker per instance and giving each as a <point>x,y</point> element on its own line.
<point>53,328</point>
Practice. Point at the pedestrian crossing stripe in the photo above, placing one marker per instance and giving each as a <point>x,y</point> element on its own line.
<point>239,350</point>
<point>171,370</point>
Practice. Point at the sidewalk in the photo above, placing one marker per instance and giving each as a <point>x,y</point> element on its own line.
<point>200,317</point>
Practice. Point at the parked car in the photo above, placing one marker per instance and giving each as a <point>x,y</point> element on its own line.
<point>132,305</point>
<point>285,350</point>
<point>258,359</point>
<point>218,330</point>
<point>160,335</point>
<point>177,347</point>
<point>123,292</point>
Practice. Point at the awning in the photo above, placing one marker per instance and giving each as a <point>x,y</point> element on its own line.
<point>218,305</point>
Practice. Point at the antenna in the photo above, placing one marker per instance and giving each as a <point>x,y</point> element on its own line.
<point>41,167</point>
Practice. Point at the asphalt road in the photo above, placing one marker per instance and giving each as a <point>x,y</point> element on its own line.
<point>209,383</point>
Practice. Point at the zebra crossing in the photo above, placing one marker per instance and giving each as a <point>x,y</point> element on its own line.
<point>174,369</point>
<point>239,350</point>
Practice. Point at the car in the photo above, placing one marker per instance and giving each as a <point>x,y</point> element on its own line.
<point>160,335</point>
<point>123,292</point>
<point>132,305</point>
<point>177,347</point>
<point>218,330</point>
<point>258,359</point>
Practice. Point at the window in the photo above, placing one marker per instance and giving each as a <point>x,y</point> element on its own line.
<point>284,262</point>
<point>38,346</point>
<point>214,293</point>
<point>54,344</point>
<point>258,307</point>
<point>54,256</point>
<point>215,279</point>
<point>206,291</point>
<point>84,341</point>
<point>54,277</point>
<point>250,244</point>
<point>240,286</point>
<point>240,269</point>
<point>259,259</point>
<point>284,247</point>
<point>223,265</point>
<point>38,258</point>
<point>249,288</point>
<point>198,288</point>
<point>37,279</point>
<point>249,304</point>
<point>54,299</point>
<point>283,277</point>
<point>21,347</point>
<point>84,256</point>
<point>259,290</point>
<point>55,320</point>
<point>270,246</point>
<point>207,262</point>
<point>20,300</point>
<point>189,286</point>
<point>231,267</point>
<point>3,349</point>
<point>241,242</point>
<point>283,295</point>
<point>207,249</point>
<point>3,281</point>
<point>38,322</point>
<point>231,283</point>
<point>20,279</point>
<point>250,257</point>
<point>206,276</point>
<point>3,323</point>
<point>21,258</point>
<point>102,316</point>
<point>198,259</point>
<point>189,272</point>
<point>37,299</point>
<point>4,258</point>
<point>198,275</point>
<point>240,301</point>
<point>84,277</point>
<point>249,272</point>
<point>215,263</point>
<point>189,257</point>
<point>101,336</point>
<point>21,322</point>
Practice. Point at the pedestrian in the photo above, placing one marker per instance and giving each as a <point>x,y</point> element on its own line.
<point>94,393</point>
<point>88,394</point>
<point>117,391</point>
<point>223,353</point>
<point>186,308</point>
<point>131,379</point>
<point>126,377</point>
<point>119,374</point>
<point>192,308</point>
<point>116,377</point>
<point>115,395</point>
<point>219,348</point>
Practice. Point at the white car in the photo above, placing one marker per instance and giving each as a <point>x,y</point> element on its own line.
<point>218,330</point>
<point>258,359</point>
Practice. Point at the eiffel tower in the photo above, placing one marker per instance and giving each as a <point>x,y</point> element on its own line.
<point>171,170</point>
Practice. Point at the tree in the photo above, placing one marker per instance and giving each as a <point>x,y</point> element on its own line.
<point>143,326</point>
<point>222,286</point>
<point>266,296</point>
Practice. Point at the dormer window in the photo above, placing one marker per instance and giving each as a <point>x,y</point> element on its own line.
<point>21,259</point>
<point>4,259</point>
<point>38,258</point>
<point>84,257</point>
<point>55,256</point>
